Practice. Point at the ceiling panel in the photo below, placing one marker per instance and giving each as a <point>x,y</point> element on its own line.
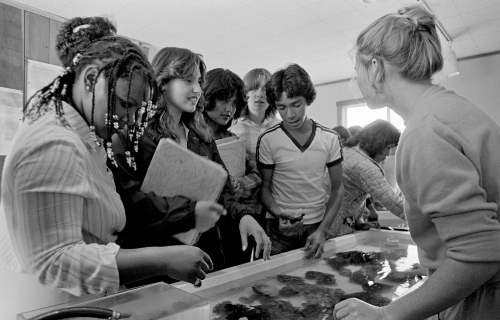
<point>482,15</point>
<point>244,34</point>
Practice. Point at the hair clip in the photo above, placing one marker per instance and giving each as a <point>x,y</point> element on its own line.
<point>83,26</point>
<point>76,58</point>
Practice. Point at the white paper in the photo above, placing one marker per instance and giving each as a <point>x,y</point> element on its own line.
<point>11,113</point>
<point>38,75</point>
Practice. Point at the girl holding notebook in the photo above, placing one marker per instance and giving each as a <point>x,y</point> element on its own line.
<point>180,74</point>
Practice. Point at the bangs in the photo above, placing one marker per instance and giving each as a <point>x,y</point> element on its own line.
<point>225,94</point>
<point>256,78</point>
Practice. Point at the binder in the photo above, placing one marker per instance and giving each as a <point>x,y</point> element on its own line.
<point>233,153</point>
<point>175,170</point>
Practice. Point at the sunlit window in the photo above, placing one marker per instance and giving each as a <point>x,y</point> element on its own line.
<point>361,115</point>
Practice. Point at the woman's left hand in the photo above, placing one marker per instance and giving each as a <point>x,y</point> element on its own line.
<point>249,226</point>
<point>355,309</point>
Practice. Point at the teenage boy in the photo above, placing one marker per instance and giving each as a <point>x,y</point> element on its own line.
<point>292,157</point>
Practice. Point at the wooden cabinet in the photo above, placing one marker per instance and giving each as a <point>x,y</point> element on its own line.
<point>11,48</point>
<point>40,38</point>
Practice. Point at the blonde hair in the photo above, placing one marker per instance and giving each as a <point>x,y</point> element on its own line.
<point>407,41</point>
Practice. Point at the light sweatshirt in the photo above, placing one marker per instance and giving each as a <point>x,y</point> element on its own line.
<point>448,167</point>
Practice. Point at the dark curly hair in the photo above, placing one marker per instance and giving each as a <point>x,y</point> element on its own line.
<point>177,63</point>
<point>80,42</point>
<point>375,137</point>
<point>294,81</point>
<point>343,132</point>
<point>222,84</point>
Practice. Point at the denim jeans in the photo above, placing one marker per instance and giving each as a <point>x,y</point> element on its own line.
<point>285,242</point>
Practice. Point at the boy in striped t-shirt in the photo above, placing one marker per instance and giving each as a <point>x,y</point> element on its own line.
<point>292,157</point>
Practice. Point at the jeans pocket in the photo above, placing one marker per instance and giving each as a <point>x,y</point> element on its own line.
<point>290,229</point>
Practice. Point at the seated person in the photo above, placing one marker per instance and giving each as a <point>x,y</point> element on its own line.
<point>292,157</point>
<point>224,93</point>
<point>364,177</point>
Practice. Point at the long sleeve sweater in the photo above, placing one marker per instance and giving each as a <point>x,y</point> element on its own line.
<point>448,165</point>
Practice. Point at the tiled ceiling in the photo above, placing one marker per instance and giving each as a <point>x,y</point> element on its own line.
<point>243,34</point>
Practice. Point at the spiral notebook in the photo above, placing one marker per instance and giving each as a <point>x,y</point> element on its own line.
<point>175,170</point>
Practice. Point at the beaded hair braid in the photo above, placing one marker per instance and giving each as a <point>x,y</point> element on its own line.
<point>130,62</point>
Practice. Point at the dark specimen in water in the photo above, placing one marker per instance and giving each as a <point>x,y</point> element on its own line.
<point>345,272</point>
<point>286,279</point>
<point>337,263</point>
<point>359,277</point>
<point>376,287</point>
<point>358,257</point>
<point>321,277</point>
<point>270,310</point>
<point>228,310</point>
<point>265,290</point>
<point>288,291</point>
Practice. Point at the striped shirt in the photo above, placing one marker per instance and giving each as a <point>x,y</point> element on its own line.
<point>61,207</point>
<point>248,131</point>
<point>299,170</point>
<point>363,177</point>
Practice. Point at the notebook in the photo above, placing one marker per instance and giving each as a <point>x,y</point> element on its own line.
<point>175,170</point>
<point>233,153</point>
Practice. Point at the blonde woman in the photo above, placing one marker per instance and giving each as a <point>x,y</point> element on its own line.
<point>447,168</point>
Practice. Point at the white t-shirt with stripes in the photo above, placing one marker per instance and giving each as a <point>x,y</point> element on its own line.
<point>299,170</point>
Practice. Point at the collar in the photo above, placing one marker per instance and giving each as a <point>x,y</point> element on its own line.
<point>414,107</point>
<point>78,124</point>
<point>265,122</point>
<point>363,153</point>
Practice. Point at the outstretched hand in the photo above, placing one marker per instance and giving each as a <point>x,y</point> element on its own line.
<point>249,226</point>
<point>187,263</point>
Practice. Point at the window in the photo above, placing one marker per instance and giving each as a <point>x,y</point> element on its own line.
<point>361,115</point>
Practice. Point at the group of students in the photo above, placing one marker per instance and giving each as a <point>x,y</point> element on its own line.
<point>78,221</point>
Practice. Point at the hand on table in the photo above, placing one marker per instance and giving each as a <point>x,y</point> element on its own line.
<point>314,244</point>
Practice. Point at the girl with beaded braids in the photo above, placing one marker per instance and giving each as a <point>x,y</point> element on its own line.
<point>61,207</point>
<point>447,168</point>
<point>180,74</point>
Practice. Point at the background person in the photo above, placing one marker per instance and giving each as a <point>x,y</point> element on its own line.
<point>224,94</point>
<point>258,115</point>
<point>344,133</point>
<point>363,176</point>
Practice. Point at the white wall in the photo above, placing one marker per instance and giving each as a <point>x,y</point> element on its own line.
<point>324,108</point>
<point>479,81</point>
